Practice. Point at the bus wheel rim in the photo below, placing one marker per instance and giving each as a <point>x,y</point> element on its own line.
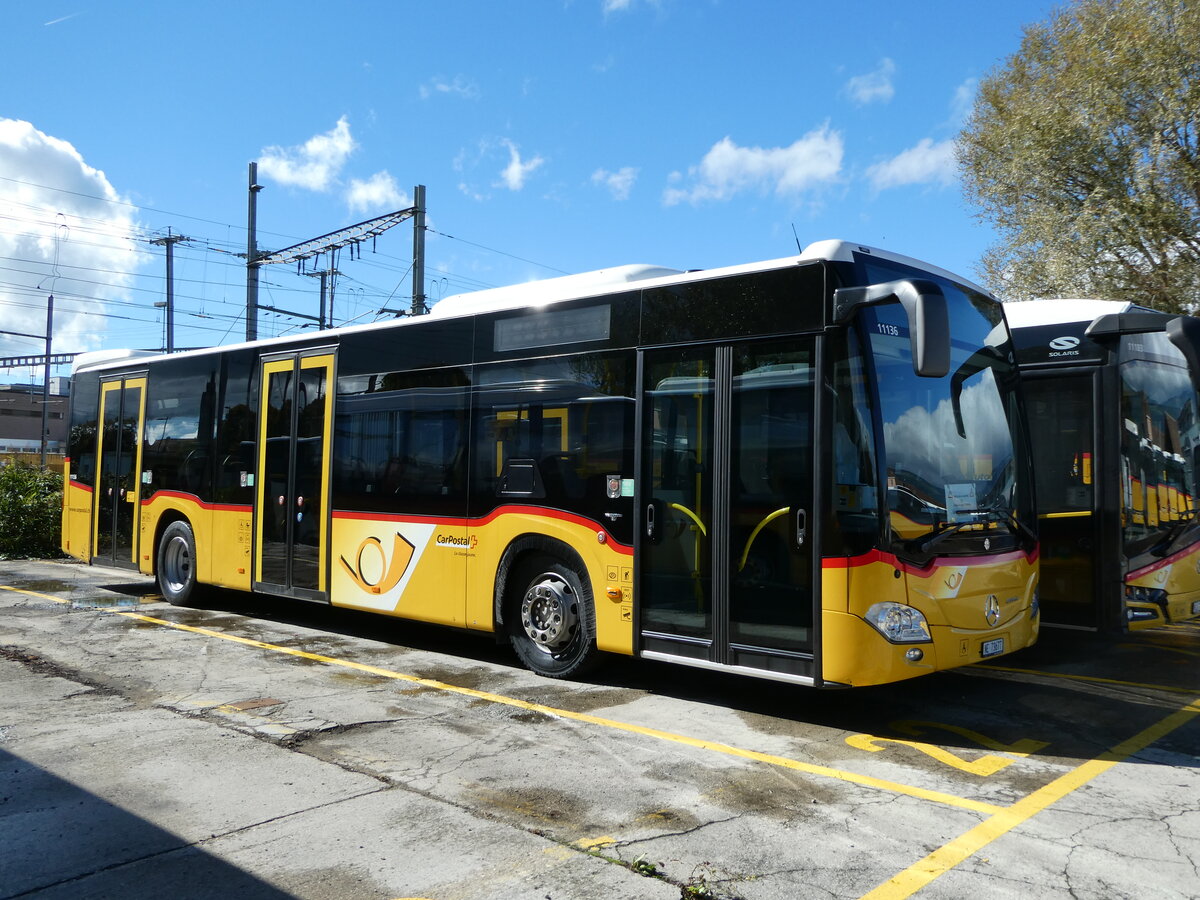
<point>550,613</point>
<point>177,563</point>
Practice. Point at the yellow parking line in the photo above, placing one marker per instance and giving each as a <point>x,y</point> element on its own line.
<point>712,746</point>
<point>783,762</point>
<point>1091,679</point>
<point>5,587</point>
<point>949,855</point>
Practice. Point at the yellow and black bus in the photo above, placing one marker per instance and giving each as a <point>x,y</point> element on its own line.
<point>812,469</point>
<point>1111,397</point>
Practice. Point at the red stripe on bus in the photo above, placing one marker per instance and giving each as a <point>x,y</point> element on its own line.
<point>397,517</point>
<point>192,498</point>
<point>1166,561</point>
<point>874,556</point>
<point>536,511</point>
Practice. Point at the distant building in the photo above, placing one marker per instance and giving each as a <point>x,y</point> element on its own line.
<point>21,420</point>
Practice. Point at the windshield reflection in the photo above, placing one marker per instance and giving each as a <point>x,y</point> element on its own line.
<point>949,443</point>
<point>1159,443</point>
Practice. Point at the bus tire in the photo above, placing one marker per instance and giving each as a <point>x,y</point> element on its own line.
<point>551,621</point>
<point>176,569</point>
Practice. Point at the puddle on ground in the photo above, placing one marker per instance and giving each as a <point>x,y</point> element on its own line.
<point>133,589</point>
<point>105,602</point>
<point>574,699</point>
<point>44,586</point>
<point>360,679</point>
<point>475,679</point>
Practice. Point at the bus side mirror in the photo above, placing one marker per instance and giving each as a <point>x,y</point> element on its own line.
<point>928,318</point>
<point>1184,333</point>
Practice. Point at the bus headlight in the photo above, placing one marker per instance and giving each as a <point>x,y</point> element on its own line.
<point>898,623</point>
<point>1139,594</point>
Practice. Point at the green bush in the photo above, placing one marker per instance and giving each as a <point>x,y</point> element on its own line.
<point>30,511</point>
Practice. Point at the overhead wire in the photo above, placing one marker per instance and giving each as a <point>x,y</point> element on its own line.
<point>104,234</point>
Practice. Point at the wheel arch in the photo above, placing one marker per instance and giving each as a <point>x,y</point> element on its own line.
<point>529,546</point>
<point>168,517</point>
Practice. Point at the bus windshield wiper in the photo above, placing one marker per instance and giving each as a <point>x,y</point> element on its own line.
<point>986,514</point>
<point>942,530</point>
<point>1008,517</point>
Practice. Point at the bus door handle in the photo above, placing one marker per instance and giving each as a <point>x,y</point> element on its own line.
<point>650,521</point>
<point>801,527</point>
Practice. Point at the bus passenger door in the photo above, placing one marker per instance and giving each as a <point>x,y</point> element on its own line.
<point>726,521</point>
<point>291,510</point>
<point>1062,412</point>
<point>118,471</point>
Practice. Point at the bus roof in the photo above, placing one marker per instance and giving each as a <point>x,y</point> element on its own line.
<point>1032,313</point>
<point>533,293</point>
<point>569,287</point>
<point>617,278</point>
<point>101,357</point>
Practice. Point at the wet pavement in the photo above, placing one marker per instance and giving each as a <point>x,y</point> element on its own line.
<point>255,747</point>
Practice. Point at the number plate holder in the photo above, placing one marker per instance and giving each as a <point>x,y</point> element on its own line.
<point>991,648</point>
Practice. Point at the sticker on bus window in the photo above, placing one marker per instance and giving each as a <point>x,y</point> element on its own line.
<point>959,498</point>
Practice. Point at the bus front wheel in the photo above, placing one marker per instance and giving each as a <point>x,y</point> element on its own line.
<point>176,569</point>
<point>551,621</point>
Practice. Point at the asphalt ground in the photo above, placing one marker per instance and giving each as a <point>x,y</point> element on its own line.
<point>260,748</point>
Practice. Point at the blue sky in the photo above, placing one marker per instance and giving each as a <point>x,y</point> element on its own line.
<point>553,136</point>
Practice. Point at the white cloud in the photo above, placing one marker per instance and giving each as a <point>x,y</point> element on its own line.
<point>873,87</point>
<point>313,165</point>
<point>614,6</point>
<point>728,169</point>
<point>964,99</point>
<point>471,161</point>
<point>619,183</point>
<point>926,163</point>
<point>517,172</point>
<point>378,193</point>
<point>460,85</point>
<point>65,230</point>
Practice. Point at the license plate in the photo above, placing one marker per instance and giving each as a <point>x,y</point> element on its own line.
<point>1196,607</point>
<point>992,648</point>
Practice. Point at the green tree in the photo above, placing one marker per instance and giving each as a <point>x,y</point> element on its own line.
<point>1083,150</point>
<point>30,511</point>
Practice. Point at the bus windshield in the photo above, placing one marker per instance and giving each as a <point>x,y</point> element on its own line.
<point>1159,435</point>
<point>957,474</point>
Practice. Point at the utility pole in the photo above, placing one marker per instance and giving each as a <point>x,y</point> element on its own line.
<point>169,242</point>
<point>352,236</point>
<point>327,277</point>
<point>252,261</point>
<point>418,299</point>
<point>46,375</point>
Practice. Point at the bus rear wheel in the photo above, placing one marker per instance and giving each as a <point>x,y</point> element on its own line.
<point>176,569</point>
<point>551,621</point>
